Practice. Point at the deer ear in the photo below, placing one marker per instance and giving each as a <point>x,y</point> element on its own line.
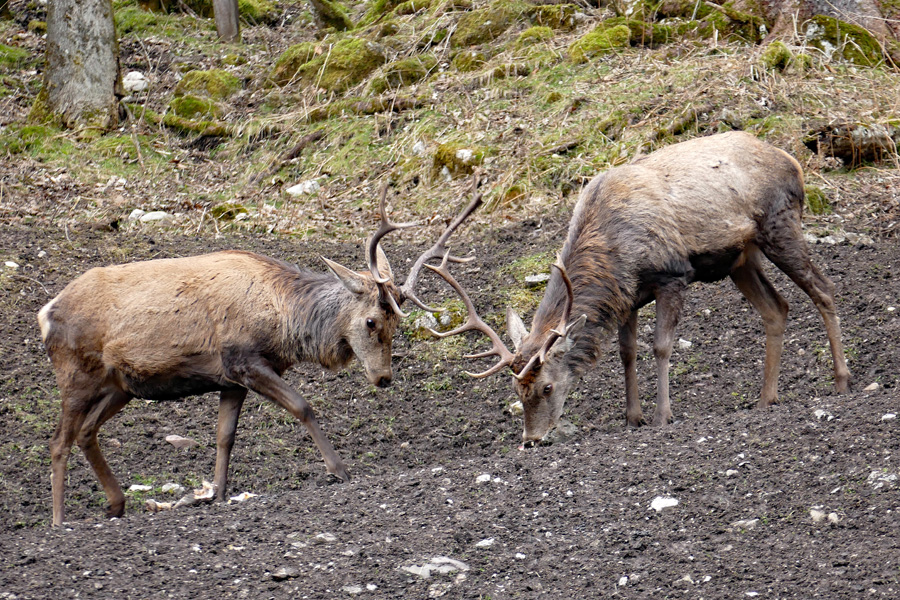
<point>573,331</point>
<point>384,267</point>
<point>352,280</point>
<point>516,328</point>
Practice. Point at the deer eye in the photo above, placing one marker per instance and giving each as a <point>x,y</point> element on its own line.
<point>548,389</point>
<point>370,323</point>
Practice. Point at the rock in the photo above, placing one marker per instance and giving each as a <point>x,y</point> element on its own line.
<point>623,581</point>
<point>172,488</point>
<point>533,281</point>
<point>11,265</point>
<point>304,187</point>
<point>352,589</point>
<point>516,409</point>
<point>823,414</point>
<point>745,524</point>
<point>140,488</point>
<point>242,497</point>
<point>283,573</point>
<point>325,538</point>
<point>485,543</point>
<point>684,344</point>
<point>817,515</point>
<point>439,564</point>
<point>134,81</point>
<point>484,478</point>
<point>833,518</point>
<point>730,472</point>
<point>662,502</point>
<point>888,417</point>
<point>565,430</point>
<point>157,216</point>
<point>136,215</point>
<point>871,387</point>
<point>181,442</point>
<point>419,148</point>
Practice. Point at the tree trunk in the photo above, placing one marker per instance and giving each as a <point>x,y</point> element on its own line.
<point>82,74</point>
<point>227,26</point>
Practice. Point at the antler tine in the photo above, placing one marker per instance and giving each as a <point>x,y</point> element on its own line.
<point>385,227</point>
<point>562,328</point>
<point>439,250</point>
<point>473,323</point>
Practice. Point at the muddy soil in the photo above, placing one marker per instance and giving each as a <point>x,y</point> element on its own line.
<point>797,501</point>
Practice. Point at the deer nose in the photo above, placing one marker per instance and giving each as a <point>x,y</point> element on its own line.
<point>383,381</point>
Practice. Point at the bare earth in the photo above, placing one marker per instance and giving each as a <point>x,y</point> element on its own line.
<point>573,520</point>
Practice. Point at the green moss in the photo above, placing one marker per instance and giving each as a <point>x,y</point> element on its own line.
<point>259,11</point>
<point>288,65</point>
<point>12,57</point>
<point>816,201</point>
<point>122,146</point>
<point>847,40</point>
<point>131,19</point>
<point>25,138</point>
<point>202,127</point>
<point>468,60</point>
<point>533,35</point>
<point>349,62</point>
<point>192,107</point>
<point>215,83</point>
<point>459,158</point>
<point>684,9</point>
<point>642,32</point>
<point>404,72</point>
<point>776,56</point>
<point>227,211</point>
<point>37,27</point>
<point>601,40</point>
<point>486,24</point>
<point>411,7</point>
<point>555,16</point>
<point>332,14</point>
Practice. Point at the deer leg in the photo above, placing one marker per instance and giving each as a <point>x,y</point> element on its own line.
<point>260,378</point>
<point>99,414</point>
<point>628,353</point>
<point>792,257</point>
<point>669,299</point>
<point>230,403</point>
<point>752,282</point>
<point>60,449</point>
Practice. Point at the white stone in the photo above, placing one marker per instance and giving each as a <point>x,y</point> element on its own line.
<point>662,502</point>
<point>745,524</point>
<point>352,589</point>
<point>484,478</point>
<point>833,518</point>
<point>684,344</point>
<point>871,387</point>
<point>419,148</point>
<point>520,556</point>
<point>730,472</point>
<point>485,543</point>
<point>243,496</point>
<point>172,488</point>
<point>533,281</point>
<point>181,442</point>
<point>516,409</point>
<point>623,581</point>
<point>324,538</point>
<point>823,414</point>
<point>134,81</point>
<point>140,488</point>
<point>157,216</point>
<point>888,417</point>
<point>304,187</point>
<point>136,214</point>
<point>11,265</point>
<point>817,515</point>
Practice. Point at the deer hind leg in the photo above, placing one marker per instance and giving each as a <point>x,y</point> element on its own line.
<point>230,403</point>
<point>787,249</point>
<point>752,282</point>
<point>669,300</point>
<point>628,353</point>
<point>110,404</point>
<point>60,449</point>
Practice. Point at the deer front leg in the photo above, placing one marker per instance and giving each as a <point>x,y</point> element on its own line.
<point>628,353</point>
<point>230,403</point>
<point>99,414</point>
<point>260,378</point>
<point>669,299</point>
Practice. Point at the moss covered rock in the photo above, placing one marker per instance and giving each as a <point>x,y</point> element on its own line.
<point>486,24</point>
<point>287,66</point>
<point>843,40</point>
<point>348,62</point>
<point>457,158</point>
<point>331,14</point>
<point>215,84</point>
<point>555,16</point>
<point>411,7</point>
<point>776,57</point>
<point>259,11</point>
<point>403,72</point>
<point>816,201</point>
<point>194,107</point>
<point>600,40</point>
<point>533,35</point>
<point>468,60</point>
<point>642,32</point>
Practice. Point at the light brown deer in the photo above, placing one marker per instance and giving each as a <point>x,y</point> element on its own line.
<point>229,322</point>
<point>700,210</point>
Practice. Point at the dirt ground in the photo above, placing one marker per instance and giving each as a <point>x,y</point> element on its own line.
<point>437,476</point>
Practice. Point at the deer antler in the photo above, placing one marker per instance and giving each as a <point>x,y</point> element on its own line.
<point>438,250</point>
<point>473,323</point>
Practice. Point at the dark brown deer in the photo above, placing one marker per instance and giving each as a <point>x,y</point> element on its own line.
<point>700,210</point>
<point>229,322</point>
